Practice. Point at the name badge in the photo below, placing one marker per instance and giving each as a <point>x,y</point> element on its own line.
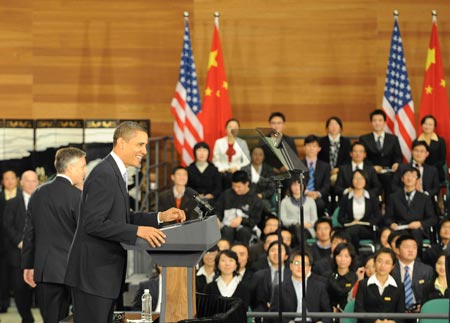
<point>387,299</point>
<point>422,281</point>
<point>348,285</point>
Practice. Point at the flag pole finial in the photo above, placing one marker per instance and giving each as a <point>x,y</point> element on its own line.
<point>186,14</point>
<point>216,18</point>
<point>216,14</point>
<point>433,13</point>
<point>396,13</point>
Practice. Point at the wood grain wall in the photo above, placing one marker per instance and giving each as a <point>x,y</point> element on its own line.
<point>119,59</point>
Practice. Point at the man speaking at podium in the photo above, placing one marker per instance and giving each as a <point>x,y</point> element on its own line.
<point>97,262</point>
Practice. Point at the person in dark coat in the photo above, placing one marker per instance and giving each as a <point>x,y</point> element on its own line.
<point>438,288</point>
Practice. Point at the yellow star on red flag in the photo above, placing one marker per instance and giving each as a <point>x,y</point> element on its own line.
<point>429,89</point>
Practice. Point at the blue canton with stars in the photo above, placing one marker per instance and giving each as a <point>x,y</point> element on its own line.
<point>188,75</point>
<point>397,90</point>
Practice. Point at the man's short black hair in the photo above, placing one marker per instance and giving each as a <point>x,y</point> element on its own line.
<point>404,237</point>
<point>277,114</point>
<point>311,138</point>
<point>420,143</point>
<point>378,112</point>
<point>240,176</point>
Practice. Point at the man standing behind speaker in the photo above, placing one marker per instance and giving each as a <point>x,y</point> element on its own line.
<point>97,261</point>
<point>49,228</point>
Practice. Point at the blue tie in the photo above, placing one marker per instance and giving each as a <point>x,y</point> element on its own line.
<point>409,299</point>
<point>310,185</point>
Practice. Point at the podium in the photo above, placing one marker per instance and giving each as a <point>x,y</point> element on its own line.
<point>185,245</point>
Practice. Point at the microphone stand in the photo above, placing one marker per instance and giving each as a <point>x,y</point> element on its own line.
<point>303,242</point>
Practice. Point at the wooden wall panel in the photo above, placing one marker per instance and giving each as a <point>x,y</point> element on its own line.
<point>120,59</point>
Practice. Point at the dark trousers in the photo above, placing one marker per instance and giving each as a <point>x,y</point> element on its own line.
<point>359,232</point>
<point>53,301</point>
<point>4,281</point>
<point>242,234</point>
<point>89,308</point>
<point>23,295</point>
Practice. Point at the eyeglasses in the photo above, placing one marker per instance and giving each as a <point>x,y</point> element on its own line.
<point>298,263</point>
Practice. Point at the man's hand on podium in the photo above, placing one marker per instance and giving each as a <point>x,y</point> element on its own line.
<point>172,214</point>
<point>154,236</point>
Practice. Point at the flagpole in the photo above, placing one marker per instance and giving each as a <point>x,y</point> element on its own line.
<point>396,14</point>
<point>216,18</point>
<point>434,16</point>
<point>186,15</point>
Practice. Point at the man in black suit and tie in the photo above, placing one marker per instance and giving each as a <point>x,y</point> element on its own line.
<point>97,262</point>
<point>318,185</point>
<point>51,221</point>
<point>410,208</point>
<point>429,177</point>
<point>317,299</point>
<point>345,175</point>
<point>15,215</point>
<point>383,150</point>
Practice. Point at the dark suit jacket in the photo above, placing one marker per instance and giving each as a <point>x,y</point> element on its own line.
<point>421,278</point>
<point>343,154</point>
<point>345,175</point>
<point>49,228</point>
<point>261,288</point>
<point>430,179</point>
<point>372,213</point>
<point>14,215</point>
<point>421,209</point>
<point>368,299</point>
<point>241,292</point>
<point>437,156</point>
<point>321,178</point>
<point>208,182</point>
<point>188,205</point>
<point>4,239</point>
<point>390,154</point>
<point>317,299</point>
<point>97,261</point>
<point>265,186</point>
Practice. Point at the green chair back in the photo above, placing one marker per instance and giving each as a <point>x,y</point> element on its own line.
<point>439,305</point>
<point>334,218</point>
<point>349,308</point>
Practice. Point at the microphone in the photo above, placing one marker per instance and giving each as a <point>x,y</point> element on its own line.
<point>202,203</point>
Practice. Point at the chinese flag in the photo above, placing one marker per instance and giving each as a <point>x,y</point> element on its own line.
<point>216,109</point>
<point>434,93</point>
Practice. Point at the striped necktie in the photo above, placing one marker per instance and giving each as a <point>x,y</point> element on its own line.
<point>409,299</point>
<point>310,185</point>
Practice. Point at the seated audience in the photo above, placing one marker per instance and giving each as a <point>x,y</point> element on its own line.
<point>358,161</point>
<point>317,299</point>
<point>223,244</point>
<point>321,248</point>
<point>290,211</point>
<point>245,273</point>
<point>228,283</point>
<point>261,261</point>
<point>358,210</point>
<point>410,208</point>
<point>383,150</point>
<point>436,145</point>
<point>205,274</point>
<point>362,272</point>
<point>392,239</point>
<point>239,210</point>
<point>429,178</point>
<point>384,235</point>
<point>431,254</point>
<point>287,238</point>
<point>380,292</point>
<point>318,184</point>
<point>230,152</point>
<point>438,287</point>
<point>174,197</point>
<point>264,280</point>
<point>323,266</point>
<point>414,275</point>
<point>259,248</point>
<point>334,148</point>
<point>203,176</point>
<point>343,277</point>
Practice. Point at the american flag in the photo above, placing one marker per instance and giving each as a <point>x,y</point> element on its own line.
<point>397,99</point>
<point>188,130</point>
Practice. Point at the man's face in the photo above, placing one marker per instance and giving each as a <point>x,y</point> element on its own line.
<point>286,236</point>
<point>132,152</point>
<point>444,232</point>
<point>29,182</point>
<point>240,188</point>
<point>77,170</point>
<point>296,267</point>
<point>273,254</point>
<point>312,149</point>
<point>358,154</point>
<point>420,153</point>
<point>277,124</point>
<point>180,178</point>
<point>10,180</point>
<point>323,231</point>
<point>242,254</point>
<point>409,179</point>
<point>271,226</point>
<point>269,240</point>
<point>407,252</point>
<point>378,123</point>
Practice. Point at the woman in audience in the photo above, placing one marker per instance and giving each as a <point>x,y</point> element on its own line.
<point>436,145</point>
<point>230,152</point>
<point>259,173</point>
<point>380,293</point>
<point>362,272</point>
<point>228,283</point>
<point>290,211</point>
<point>206,272</point>
<point>203,176</point>
<point>358,210</point>
<point>384,236</point>
<point>343,277</point>
<point>439,289</point>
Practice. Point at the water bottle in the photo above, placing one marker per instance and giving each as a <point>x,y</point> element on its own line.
<point>146,315</point>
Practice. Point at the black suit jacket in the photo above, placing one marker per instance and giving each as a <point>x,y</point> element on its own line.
<point>345,175</point>
<point>317,299</point>
<point>208,182</point>
<point>49,228</point>
<point>368,299</point>
<point>390,154</point>
<point>14,216</point>
<point>421,209</point>
<point>241,292</point>
<point>265,185</point>
<point>421,278</point>
<point>97,261</point>
<point>321,178</point>
<point>188,205</point>
<point>4,239</point>
<point>343,154</point>
<point>430,179</point>
<point>261,288</point>
<point>372,213</point>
